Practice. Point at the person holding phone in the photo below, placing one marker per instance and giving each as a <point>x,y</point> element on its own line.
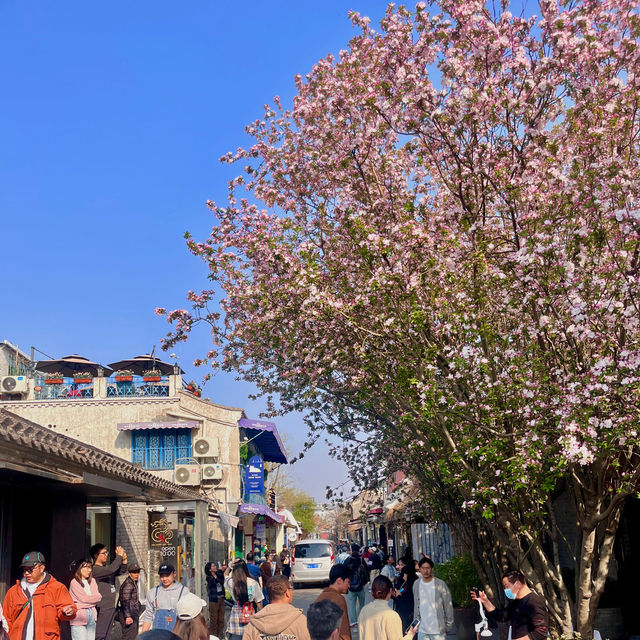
<point>403,592</point>
<point>526,611</point>
<point>377,621</point>
<point>432,603</point>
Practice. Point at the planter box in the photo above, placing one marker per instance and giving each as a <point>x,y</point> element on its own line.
<point>124,378</point>
<point>152,378</point>
<point>53,381</point>
<point>82,380</point>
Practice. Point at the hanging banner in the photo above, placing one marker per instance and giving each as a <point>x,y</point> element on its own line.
<point>255,475</point>
<point>163,535</point>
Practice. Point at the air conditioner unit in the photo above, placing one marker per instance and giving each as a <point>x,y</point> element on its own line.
<point>14,384</point>
<point>205,448</point>
<point>211,472</point>
<point>187,474</point>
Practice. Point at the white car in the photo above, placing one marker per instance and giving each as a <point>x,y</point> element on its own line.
<point>311,561</point>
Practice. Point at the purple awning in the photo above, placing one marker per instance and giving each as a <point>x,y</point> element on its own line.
<point>132,426</point>
<point>260,510</point>
<point>266,439</point>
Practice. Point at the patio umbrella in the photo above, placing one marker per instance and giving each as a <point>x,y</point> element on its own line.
<point>143,363</point>
<point>69,365</point>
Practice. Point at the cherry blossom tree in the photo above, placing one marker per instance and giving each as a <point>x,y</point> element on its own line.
<point>434,253</point>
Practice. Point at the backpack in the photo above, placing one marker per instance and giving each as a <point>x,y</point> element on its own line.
<point>363,572</point>
<point>360,575</point>
<point>356,581</point>
<point>246,612</point>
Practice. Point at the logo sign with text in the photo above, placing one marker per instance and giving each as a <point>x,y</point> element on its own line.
<point>255,475</point>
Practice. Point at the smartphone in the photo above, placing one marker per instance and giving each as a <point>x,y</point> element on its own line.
<point>414,624</point>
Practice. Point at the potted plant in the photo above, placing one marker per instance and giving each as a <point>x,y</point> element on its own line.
<point>125,375</point>
<point>82,377</point>
<point>460,575</point>
<point>152,375</point>
<point>53,378</point>
<point>194,388</point>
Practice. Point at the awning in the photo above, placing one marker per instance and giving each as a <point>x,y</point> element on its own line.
<point>267,439</point>
<point>354,525</point>
<point>289,520</point>
<point>260,510</point>
<point>132,426</point>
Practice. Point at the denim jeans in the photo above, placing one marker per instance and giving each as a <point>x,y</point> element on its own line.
<point>355,602</point>
<point>430,636</point>
<point>85,632</point>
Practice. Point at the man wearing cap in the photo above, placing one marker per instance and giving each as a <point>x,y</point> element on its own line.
<point>130,605</point>
<point>35,605</point>
<point>105,575</point>
<point>160,612</point>
<point>431,603</point>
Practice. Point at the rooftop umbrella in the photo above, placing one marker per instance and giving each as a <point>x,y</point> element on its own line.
<point>143,363</point>
<point>69,365</point>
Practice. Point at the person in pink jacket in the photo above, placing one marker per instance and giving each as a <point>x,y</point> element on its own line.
<point>84,591</point>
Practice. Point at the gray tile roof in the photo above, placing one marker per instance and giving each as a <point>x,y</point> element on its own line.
<point>73,455</point>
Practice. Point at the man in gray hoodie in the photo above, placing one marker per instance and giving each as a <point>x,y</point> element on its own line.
<point>278,620</point>
<point>162,600</point>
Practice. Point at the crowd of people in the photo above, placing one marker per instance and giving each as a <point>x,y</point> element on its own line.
<point>408,600</point>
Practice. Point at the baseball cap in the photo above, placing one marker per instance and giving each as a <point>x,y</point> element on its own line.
<point>31,559</point>
<point>189,606</point>
<point>133,568</point>
<point>166,568</point>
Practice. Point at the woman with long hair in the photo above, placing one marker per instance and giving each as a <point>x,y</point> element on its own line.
<point>377,621</point>
<point>84,591</point>
<point>191,624</point>
<point>247,597</point>
<point>403,591</point>
<point>286,562</point>
<point>215,591</point>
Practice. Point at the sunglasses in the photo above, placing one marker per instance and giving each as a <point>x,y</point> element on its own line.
<point>29,569</point>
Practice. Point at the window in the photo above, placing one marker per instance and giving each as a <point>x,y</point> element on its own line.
<point>312,550</point>
<point>160,448</point>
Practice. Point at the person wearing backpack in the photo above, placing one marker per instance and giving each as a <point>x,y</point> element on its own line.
<point>247,597</point>
<point>359,577</point>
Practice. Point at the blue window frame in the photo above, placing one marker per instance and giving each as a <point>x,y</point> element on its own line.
<point>160,448</point>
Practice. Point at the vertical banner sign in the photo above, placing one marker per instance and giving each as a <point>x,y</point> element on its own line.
<point>255,475</point>
<point>162,536</point>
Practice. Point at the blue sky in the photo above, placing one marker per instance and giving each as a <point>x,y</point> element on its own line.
<point>113,117</point>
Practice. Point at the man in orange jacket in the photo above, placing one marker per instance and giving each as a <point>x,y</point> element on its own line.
<point>35,605</point>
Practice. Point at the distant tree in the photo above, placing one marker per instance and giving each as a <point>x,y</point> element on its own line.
<point>301,505</point>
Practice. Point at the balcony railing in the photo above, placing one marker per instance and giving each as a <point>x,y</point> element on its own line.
<point>137,387</point>
<point>67,389</point>
<point>114,387</point>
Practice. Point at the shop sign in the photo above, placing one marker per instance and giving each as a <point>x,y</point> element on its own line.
<point>255,475</point>
<point>163,535</point>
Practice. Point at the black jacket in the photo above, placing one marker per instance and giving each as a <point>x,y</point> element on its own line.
<point>215,586</point>
<point>129,600</point>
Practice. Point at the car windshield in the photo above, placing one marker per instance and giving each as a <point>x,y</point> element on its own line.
<point>313,550</point>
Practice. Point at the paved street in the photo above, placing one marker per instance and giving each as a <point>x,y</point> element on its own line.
<point>303,596</point>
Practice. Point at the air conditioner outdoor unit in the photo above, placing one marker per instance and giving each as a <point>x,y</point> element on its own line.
<point>205,448</point>
<point>14,384</point>
<point>187,474</point>
<point>212,472</point>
